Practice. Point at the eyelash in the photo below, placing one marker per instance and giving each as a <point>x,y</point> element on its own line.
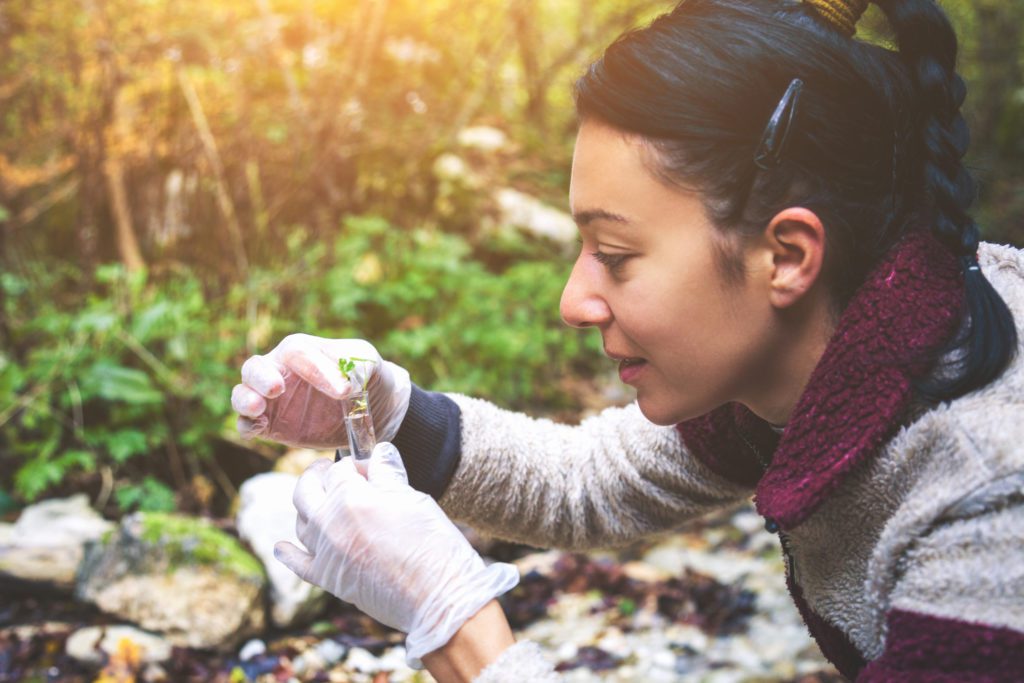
<point>613,262</point>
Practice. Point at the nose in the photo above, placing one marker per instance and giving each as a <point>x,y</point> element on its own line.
<point>581,304</point>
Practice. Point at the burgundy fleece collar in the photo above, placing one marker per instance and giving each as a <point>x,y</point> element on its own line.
<point>857,395</point>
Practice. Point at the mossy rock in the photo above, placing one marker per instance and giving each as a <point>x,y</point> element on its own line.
<point>190,540</point>
<point>179,576</point>
<point>183,541</point>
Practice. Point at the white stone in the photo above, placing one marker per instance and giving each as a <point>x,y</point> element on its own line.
<point>393,659</point>
<point>158,584</point>
<point>483,138</point>
<point>529,214</point>
<point>361,660</point>
<point>297,460</point>
<point>543,562</point>
<point>331,651</point>
<point>451,167</point>
<point>308,662</point>
<point>267,515</point>
<point>90,644</point>
<point>47,542</point>
<point>664,660</point>
<point>254,648</point>
<point>154,673</point>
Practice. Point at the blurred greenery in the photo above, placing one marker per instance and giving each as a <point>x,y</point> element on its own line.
<point>184,183</point>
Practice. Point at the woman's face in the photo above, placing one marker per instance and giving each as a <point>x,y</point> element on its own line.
<point>686,338</point>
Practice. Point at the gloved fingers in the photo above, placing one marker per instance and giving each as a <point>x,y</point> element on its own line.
<point>309,492</point>
<point>263,375</point>
<point>341,473</point>
<point>247,402</point>
<point>293,557</point>
<point>249,428</point>
<point>318,370</point>
<point>362,373</point>
<point>386,466</point>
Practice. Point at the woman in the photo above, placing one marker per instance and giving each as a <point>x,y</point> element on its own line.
<point>776,248</point>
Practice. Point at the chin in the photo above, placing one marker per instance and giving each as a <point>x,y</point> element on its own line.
<point>667,414</point>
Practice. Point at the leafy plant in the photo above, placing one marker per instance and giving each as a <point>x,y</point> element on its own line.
<point>149,495</point>
<point>347,365</point>
<point>132,374</point>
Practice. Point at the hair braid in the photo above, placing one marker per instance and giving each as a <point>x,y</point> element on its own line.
<point>927,43</point>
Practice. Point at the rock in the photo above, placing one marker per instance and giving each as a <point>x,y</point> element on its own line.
<point>483,138</point>
<point>47,542</point>
<point>533,216</point>
<point>178,576</point>
<point>361,660</point>
<point>644,572</point>
<point>253,648</point>
<point>154,673</point>
<point>95,644</point>
<point>331,651</point>
<point>451,167</point>
<point>266,515</point>
<point>542,562</point>
<point>297,460</point>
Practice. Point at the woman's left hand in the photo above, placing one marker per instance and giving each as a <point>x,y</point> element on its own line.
<point>389,550</point>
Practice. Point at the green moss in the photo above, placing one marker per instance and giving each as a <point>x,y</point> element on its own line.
<point>188,540</point>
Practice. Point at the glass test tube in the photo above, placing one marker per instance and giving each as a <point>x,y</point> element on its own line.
<point>359,425</point>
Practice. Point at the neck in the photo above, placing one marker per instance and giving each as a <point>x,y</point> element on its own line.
<point>803,337</point>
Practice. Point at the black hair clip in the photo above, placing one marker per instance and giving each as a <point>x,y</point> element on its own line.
<point>776,133</point>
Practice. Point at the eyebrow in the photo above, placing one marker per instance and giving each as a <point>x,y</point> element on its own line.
<point>588,216</point>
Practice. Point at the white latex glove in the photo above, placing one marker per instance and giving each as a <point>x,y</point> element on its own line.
<point>295,394</point>
<point>389,550</point>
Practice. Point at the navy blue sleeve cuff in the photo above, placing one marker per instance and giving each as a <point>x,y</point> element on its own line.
<point>430,441</point>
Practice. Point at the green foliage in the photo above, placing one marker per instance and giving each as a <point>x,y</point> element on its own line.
<point>104,376</point>
<point>133,370</point>
<point>149,495</point>
<point>347,365</point>
<point>188,540</point>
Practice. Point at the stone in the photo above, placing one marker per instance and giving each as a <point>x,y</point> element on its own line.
<point>266,515</point>
<point>483,138</point>
<point>331,651</point>
<point>451,167</point>
<point>95,644</point>
<point>178,576</point>
<point>46,544</point>
<point>253,648</point>
<point>530,215</point>
<point>297,460</point>
<point>154,673</point>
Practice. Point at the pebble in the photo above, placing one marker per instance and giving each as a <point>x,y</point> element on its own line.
<point>361,660</point>
<point>92,643</point>
<point>331,651</point>
<point>253,648</point>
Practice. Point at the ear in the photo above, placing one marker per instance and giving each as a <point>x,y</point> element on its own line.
<point>796,239</point>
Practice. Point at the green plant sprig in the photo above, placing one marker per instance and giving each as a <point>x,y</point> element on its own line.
<point>348,364</point>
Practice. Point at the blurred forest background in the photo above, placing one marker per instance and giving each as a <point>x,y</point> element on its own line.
<point>182,183</point>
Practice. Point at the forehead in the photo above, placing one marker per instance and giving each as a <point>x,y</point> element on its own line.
<point>612,173</point>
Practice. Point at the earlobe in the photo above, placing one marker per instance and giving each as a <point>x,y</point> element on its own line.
<point>796,238</point>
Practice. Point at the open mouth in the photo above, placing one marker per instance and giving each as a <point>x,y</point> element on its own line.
<point>630,368</point>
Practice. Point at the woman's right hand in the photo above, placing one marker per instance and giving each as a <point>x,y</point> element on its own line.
<point>295,394</point>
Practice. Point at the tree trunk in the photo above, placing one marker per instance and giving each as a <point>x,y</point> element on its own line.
<point>127,244</point>
<point>113,170</point>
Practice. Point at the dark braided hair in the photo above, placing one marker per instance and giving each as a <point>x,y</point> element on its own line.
<point>875,149</point>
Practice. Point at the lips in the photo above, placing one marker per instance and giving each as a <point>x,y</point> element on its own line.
<point>630,369</point>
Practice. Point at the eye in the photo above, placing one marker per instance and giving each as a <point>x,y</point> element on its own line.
<point>613,262</point>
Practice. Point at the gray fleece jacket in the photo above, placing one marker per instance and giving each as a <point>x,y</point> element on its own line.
<point>902,522</point>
